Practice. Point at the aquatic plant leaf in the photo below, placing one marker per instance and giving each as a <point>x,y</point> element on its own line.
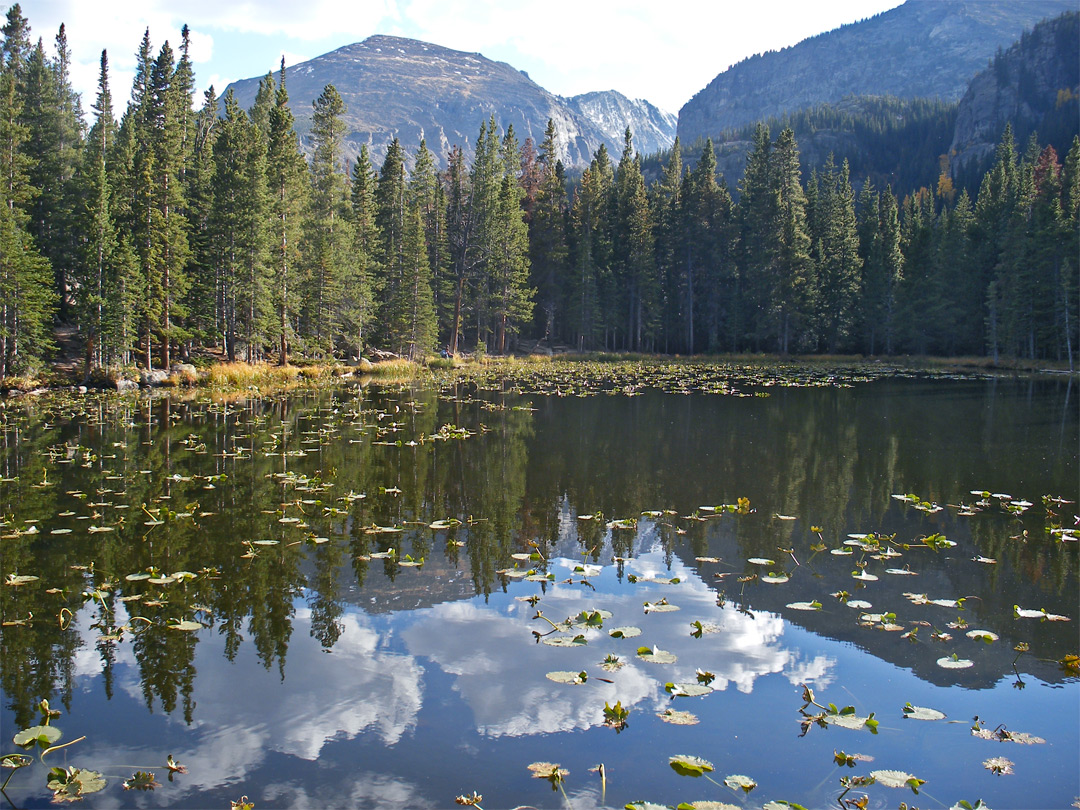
<point>897,779</point>
<point>42,735</point>
<point>982,635</point>
<point>761,561</point>
<point>655,655</point>
<point>565,641</point>
<point>138,577</point>
<point>624,632</point>
<point>187,626</point>
<point>141,780</point>
<point>687,765</point>
<point>660,607</point>
<point>643,805</point>
<point>775,579</point>
<point>999,765</point>
<point>71,784</point>
<point>1002,734</point>
<point>739,781</point>
<point>953,662</point>
<point>706,805</point>
<point>19,579</point>
<point>677,718</point>
<point>859,604</point>
<point>922,713</point>
<point>687,689</point>
<point>565,676</point>
<point>782,805</point>
<point>815,605</point>
<point>964,804</point>
<point>548,770</point>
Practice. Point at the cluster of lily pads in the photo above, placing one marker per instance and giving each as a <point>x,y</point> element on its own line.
<point>72,783</point>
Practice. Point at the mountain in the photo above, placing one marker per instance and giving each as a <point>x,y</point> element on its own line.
<point>1034,86</point>
<point>404,88</point>
<point>611,112</point>
<point>922,49</point>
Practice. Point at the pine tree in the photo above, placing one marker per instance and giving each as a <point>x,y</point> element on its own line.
<point>839,264</point>
<point>204,299</point>
<point>548,252</point>
<point>237,231</point>
<point>26,292</point>
<point>329,227</point>
<point>95,271</point>
<point>635,267</point>
<point>412,320</point>
<point>358,300</point>
<point>286,174</point>
<point>791,293</point>
<point>390,216</point>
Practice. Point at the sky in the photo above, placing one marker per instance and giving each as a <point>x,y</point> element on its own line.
<point>641,48</point>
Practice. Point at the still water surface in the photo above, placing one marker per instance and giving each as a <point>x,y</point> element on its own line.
<point>327,670</point>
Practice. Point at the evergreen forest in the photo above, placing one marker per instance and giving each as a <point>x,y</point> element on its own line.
<point>167,227</point>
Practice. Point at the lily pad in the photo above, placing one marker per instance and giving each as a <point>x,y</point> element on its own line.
<point>565,641</point>
<point>655,655</point>
<point>739,781</point>
<point>677,718</point>
<point>761,561</point>
<point>45,735</point>
<point>186,626</point>
<point>982,635</point>
<point>624,632</point>
<point>686,765</point>
<point>565,676</point>
<point>897,779</point>
<point>804,605</point>
<point>687,689</point>
<point>71,784</point>
<point>952,662</point>
<point>922,713</point>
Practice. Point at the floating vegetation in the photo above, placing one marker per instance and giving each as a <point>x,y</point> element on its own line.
<point>321,502</point>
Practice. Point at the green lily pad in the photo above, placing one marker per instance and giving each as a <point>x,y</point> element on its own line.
<point>71,784</point>
<point>624,632</point>
<point>187,626</point>
<point>20,579</point>
<point>804,605</point>
<point>739,781</point>
<point>897,779</point>
<point>922,713</point>
<point>565,676</point>
<point>686,765</point>
<point>44,735</point>
<point>655,655</point>
<point>565,641</point>
<point>137,577</point>
<point>687,689</point>
<point>982,635</point>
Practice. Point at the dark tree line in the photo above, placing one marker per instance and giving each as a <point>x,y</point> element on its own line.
<point>174,228</point>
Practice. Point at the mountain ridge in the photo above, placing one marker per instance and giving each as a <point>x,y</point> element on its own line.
<point>414,90</point>
<point>921,49</point>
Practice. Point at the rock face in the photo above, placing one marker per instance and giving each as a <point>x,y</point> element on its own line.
<point>1034,85</point>
<point>922,49</point>
<point>411,90</point>
<point>612,112</point>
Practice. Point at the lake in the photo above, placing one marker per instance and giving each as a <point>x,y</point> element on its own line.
<point>392,596</point>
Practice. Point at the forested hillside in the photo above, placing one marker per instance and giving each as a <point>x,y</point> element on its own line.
<point>175,228</point>
<point>922,49</point>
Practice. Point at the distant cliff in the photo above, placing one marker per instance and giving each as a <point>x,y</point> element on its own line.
<point>412,90</point>
<point>922,49</point>
<point>1034,86</point>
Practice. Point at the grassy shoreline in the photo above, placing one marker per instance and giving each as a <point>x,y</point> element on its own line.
<point>264,377</point>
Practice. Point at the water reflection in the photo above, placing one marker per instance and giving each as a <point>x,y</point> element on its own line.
<point>297,517</point>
